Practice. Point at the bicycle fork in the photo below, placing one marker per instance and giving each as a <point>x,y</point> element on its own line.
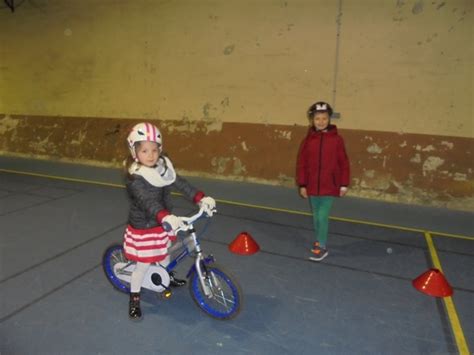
<point>201,262</point>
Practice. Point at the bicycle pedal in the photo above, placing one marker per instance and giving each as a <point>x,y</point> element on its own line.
<point>166,294</point>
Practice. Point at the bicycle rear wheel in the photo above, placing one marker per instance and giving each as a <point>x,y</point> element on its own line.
<point>225,300</point>
<point>113,255</point>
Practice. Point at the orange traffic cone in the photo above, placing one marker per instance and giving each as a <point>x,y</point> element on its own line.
<point>433,283</point>
<point>244,244</point>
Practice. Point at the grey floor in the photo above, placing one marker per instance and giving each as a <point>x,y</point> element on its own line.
<point>56,300</point>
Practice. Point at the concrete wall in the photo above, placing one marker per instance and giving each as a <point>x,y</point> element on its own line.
<point>229,82</point>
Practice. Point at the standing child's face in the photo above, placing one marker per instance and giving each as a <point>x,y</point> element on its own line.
<point>148,153</point>
<point>321,120</point>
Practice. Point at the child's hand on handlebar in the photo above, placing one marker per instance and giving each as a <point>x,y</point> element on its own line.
<point>171,223</point>
<point>208,205</point>
<point>174,224</point>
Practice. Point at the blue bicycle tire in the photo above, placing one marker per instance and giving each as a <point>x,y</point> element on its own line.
<point>205,304</point>
<point>108,267</point>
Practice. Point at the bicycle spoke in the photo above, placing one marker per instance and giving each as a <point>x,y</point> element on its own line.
<point>219,297</point>
<point>223,298</point>
<point>114,255</point>
<point>117,259</point>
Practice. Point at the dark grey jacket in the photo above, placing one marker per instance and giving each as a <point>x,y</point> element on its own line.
<point>146,200</point>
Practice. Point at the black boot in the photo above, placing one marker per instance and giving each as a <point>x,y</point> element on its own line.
<point>134,310</point>
<point>174,282</point>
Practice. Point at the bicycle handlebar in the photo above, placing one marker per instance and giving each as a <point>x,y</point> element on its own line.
<point>188,221</point>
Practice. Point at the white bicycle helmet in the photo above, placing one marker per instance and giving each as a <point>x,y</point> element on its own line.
<point>143,132</point>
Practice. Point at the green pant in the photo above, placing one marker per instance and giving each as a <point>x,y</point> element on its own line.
<point>321,205</point>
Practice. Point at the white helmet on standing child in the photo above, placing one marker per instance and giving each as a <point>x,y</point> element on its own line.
<point>143,132</point>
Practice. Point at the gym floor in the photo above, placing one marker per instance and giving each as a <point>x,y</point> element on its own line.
<point>57,219</point>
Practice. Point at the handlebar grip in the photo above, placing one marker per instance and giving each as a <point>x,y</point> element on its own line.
<point>213,212</point>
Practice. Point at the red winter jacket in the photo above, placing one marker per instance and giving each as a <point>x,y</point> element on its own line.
<point>323,166</point>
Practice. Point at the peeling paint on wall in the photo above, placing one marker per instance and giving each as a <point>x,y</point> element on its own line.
<point>220,164</point>
<point>393,167</point>
<point>283,134</point>
<point>8,124</point>
<point>448,145</point>
<point>428,148</point>
<point>186,125</point>
<point>431,164</point>
<point>374,182</point>
<point>41,146</point>
<point>460,177</point>
<point>81,135</point>
<point>416,158</point>
<point>374,149</point>
<point>239,167</point>
<point>369,173</point>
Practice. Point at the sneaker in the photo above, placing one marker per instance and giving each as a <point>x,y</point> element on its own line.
<point>318,254</point>
<point>134,310</point>
<point>315,247</point>
<point>174,282</point>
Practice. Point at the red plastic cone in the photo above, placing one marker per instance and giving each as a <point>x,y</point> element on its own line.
<point>244,244</point>
<point>433,283</point>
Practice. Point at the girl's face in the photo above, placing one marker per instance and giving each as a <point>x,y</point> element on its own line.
<point>321,120</point>
<point>148,153</point>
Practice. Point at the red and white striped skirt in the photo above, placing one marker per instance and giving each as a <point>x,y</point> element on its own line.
<point>146,245</point>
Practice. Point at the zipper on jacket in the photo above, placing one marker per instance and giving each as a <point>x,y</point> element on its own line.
<point>320,161</point>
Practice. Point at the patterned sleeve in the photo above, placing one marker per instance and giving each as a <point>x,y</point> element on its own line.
<point>188,190</point>
<point>137,190</point>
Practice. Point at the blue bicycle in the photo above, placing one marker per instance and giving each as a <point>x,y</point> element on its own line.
<point>213,290</point>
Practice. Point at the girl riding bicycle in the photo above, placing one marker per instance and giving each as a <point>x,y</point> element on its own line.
<point>150,179</point>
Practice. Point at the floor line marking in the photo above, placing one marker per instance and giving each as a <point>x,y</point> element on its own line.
<point>341,219</point>
<point>64,178</point>
<point>242,204</point>
<point>47,294</point>
<point>62,253</point>
<point>448,302</point>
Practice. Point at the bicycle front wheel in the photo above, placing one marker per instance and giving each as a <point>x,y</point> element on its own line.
<point>225,299</point>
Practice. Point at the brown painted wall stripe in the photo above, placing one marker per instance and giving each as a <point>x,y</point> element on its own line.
<point>411,168</point>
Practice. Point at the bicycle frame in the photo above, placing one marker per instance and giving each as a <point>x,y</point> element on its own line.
<point>191,244</point>
<point>213,290</point>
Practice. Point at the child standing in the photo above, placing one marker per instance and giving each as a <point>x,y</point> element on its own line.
<point>150,179</point>
<point>322,172</point>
